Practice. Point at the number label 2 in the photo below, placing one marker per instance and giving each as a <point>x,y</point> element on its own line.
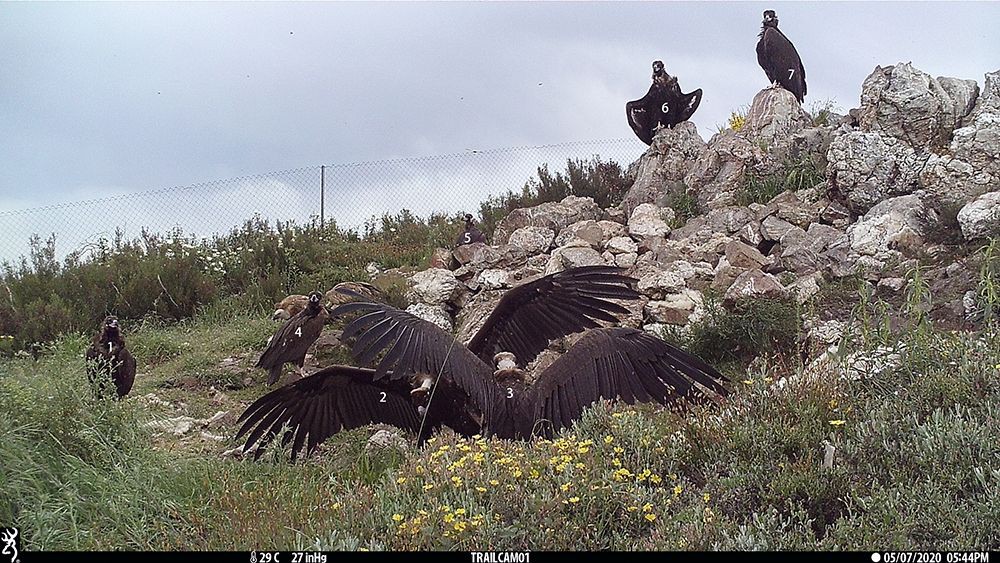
<point>382,399</point>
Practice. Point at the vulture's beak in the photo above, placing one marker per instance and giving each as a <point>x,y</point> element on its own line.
<point>279,314</point>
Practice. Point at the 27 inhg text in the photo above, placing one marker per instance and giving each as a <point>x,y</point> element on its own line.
<point>296,557</point>
<point>931,557</point>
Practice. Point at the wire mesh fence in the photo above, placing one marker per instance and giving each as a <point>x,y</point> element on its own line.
<point>347,194</point>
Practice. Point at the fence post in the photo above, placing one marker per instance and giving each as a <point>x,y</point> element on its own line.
<point>322,195</point>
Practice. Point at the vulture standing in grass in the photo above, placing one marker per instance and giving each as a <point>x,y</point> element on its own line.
<point>293,339</point>
<point>779,59</point>
<point>109,360</point>
<point>405,389</point>
<point>664,105</point>
<point>471,234</point>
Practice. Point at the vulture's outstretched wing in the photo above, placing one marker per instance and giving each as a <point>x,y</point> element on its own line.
<point>414,345</point>
<point>291,342</point>
<point>328,401</point>
<point>689,104</point>
<point>638,119</point>
<point>530,315</point>
<point>615,363</point>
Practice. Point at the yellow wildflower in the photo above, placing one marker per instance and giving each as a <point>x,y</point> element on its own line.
<point>397,517</point>
<point>647,507</point>
<point>837,422</point>
<point>678,490</point>
<point>608,439</point>
<point>401,480</point>
<point>574,500</point>
<point>650,517</point>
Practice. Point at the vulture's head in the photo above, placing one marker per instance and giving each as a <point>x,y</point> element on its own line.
<point>770,19</point>
<point>507,371</point>
<point>289,307</point>
<point>111,325</point>
<point>315,300</point>
<point>468,220</point>
<point>657,67</point>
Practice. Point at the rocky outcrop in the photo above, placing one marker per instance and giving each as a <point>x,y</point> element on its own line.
<point>551,215</point>
<point>917,145</point>
<point>663,167</point>
<point>907,104</point>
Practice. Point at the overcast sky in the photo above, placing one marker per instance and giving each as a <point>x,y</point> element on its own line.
<point>98,99</point>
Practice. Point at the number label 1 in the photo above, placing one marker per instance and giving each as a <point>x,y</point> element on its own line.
<point>382,400</point>
<point>110,346</point>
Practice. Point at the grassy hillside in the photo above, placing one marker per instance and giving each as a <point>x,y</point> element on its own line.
<point>917,462</point>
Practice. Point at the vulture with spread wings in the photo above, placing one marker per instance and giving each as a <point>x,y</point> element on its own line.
<point>291,342</point>
<point>664,105</point>
<point>423,378</point>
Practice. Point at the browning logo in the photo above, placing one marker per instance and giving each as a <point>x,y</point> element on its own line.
<point>10,544</point>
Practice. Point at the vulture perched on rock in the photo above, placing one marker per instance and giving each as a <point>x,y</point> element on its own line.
<point>779,59</point>
<point>664,105</point>
<point>293,339</point>
<point>423,378</point>
<point>108,360</point>
<point>471,234</point>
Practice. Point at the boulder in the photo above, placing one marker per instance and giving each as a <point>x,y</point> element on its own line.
<point>980,218</point>
<point>909,105</point>
<point>622,245</point>
<point>721,169</point>
<point>899,223</point>
<point>551,215</point>
<point>664,164</point>
<point>532,239</point>
<point>754,284</point>
<point>573,256</point>
<point>476,254</point>
<point>648,220</point>
<point>773,117</point>
<point>435,286</point>
<point>494,279</point>
<point>656,284</point>
<point>588,230</point>
<point>866,168</point>
<point>673,309</point>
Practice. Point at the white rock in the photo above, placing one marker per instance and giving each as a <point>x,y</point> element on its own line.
<point>980,218</point>
<point>648,220</point>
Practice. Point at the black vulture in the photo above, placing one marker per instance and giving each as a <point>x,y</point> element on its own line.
<point>293,339</point>
<point>451,384</point>
<point>779,59</point>
<point>471,234</point>
<point>664,105</point>
<point>109,360</point>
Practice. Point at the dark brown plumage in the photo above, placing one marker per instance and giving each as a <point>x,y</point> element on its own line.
<point>468,396</point>
<point>293,339</point>
<point>108,360</point>
<point>779,59</point>
<point>470,234</point>
<point>664,105</point>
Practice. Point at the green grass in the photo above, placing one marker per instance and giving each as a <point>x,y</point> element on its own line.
<point>917,462</point>
<point>793,175</point>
